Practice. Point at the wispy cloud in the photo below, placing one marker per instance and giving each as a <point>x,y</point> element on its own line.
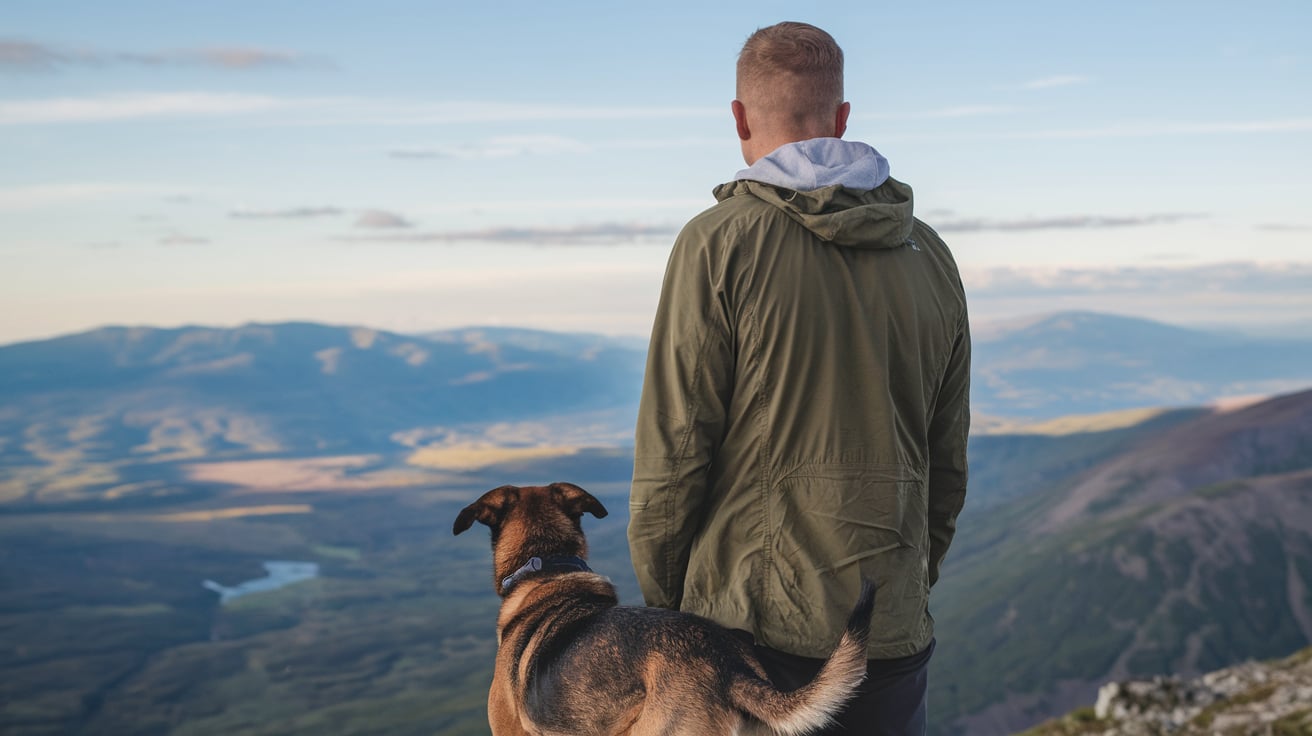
<point>33,196</point>
<point>20,55</point>
<point>1214,279</point>
<point>290,213</point>
<point>1065,222</point>
<point>1285,227</point>
<point>1235,294</point>
<point>498,147</point>
<point>179,239</point>
<point>590,234</point>
<point>136,106</point>
<point>1155,129</point>
<point>322,111</point>
<point>957,111</point>
<point>381,219</point>
<point>405,112</point>
<point>1058,80</point>
<point>539,145</point>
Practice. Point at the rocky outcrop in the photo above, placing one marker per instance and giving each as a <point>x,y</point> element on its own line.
<point>1253,699</point>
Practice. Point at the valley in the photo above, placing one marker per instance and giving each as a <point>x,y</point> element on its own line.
<point>135,465</point>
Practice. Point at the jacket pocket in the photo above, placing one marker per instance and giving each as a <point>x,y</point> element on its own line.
<point>834,524</point>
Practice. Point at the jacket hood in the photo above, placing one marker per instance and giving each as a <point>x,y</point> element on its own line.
<point>839,190</point>
<point>820,162</point>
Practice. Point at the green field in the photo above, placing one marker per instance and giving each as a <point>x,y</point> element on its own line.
<point>105,627</point>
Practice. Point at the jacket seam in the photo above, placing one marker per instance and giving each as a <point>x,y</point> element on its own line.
<point>693,407</point>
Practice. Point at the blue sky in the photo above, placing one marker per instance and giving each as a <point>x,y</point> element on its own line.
<point>414,166</point>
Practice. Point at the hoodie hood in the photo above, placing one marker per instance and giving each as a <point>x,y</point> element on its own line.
<point>839,190</point>
<point>820,162</point>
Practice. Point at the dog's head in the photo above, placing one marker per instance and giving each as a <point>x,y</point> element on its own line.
<point>533,521</point>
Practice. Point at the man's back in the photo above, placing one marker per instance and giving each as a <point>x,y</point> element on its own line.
<point>827,321</point>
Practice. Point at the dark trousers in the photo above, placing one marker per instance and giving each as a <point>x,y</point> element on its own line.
<point>891,701</point>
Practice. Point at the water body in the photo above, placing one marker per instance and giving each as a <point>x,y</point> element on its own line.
<point>280,574</point>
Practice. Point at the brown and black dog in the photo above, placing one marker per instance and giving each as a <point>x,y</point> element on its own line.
<point>571,660</point>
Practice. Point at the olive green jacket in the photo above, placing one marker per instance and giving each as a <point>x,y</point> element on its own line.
<point>804,416</point>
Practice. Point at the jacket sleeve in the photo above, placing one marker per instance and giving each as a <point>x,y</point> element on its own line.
<point>681,418</point>
<point>948,431</point>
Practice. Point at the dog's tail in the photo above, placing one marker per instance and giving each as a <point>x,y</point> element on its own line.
<point>814,705</point>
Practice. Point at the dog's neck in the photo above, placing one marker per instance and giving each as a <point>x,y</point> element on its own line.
<point>566,564</point>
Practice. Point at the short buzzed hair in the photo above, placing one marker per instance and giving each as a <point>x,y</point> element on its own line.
<point>793,70</point>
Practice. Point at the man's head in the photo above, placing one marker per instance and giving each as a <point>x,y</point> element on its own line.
<point>790,88</point>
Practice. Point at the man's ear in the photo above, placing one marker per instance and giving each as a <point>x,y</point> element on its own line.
<point>574,501</point>
<point>740,120</point>
<point>840,119</point>
<point>489,509</point>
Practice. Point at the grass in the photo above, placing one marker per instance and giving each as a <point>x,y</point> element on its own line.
<point>1298,723</point>
<point>1078,722</point>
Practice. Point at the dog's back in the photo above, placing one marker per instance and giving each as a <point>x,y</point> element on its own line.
<point>643,667</point>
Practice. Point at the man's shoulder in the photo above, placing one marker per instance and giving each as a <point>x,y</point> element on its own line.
<point>736,207</point>
<point>927,240</point>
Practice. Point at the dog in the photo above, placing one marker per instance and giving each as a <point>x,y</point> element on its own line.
<point>571,660</point>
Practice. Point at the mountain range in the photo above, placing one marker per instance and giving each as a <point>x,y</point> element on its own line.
<point>1177,544</point>
<point>1082,362</point>
<point>120,410</point>
<point>1168,532</point>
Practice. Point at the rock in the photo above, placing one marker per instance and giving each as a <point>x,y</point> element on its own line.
<point>1250,698</point>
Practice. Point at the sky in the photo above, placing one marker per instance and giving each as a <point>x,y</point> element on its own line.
<point>423,165</point>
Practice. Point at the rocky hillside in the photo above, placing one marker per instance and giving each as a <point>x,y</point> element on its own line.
<point>1181,548</point>
<point>1251,699</point>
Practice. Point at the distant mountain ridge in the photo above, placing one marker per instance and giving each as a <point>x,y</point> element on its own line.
<point>115,408</point>
<point>109,408</point>
<point>1083,362</point>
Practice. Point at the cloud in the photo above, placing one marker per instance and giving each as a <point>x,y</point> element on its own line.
<point>1284,227</point>
<point>291,213</point>
<point>506,146</point>
<point>33,196</point>
<point>177,239</point>
<point>1212,279</point>
<point>398,112</point>
<point>1067,222</point>
<point>1236,294</point>
<point>382,220</point>
<point>959,111</point>
<point>590,234</point>
<point>136,106</point>
<point>499,147</point>
<point>320,111</point>
<point>1154,129</point>
<point>1059,80</point>
<point>19,55</point>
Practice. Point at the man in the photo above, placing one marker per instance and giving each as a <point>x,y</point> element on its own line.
<point>805,408</point>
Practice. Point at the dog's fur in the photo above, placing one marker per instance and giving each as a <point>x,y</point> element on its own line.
<point>570,660</point>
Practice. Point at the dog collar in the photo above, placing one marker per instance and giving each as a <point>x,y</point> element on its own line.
<point>550,564</point>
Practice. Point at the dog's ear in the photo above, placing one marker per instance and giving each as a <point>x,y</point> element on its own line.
<point>490,508</point>
<point>574,501</point>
